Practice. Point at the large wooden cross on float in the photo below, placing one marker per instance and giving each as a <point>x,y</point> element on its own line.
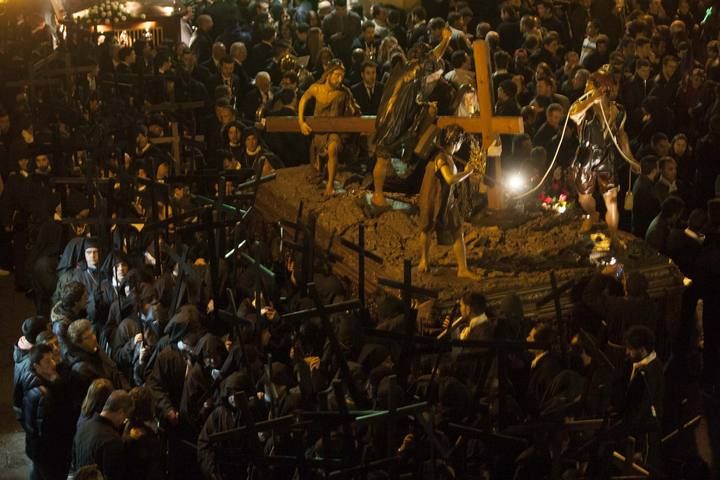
<point>487,124</point>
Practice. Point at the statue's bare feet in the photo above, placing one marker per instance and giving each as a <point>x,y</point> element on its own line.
<point>423,266</point>
<point>379,200</point>
<point>329,190</point>
<point>467,273</point>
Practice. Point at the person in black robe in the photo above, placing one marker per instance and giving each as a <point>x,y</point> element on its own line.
<point>202,381</point>
<point>167,381</point>
<point>15,209</point>
<point>47,248</point>
<point>544,367</point>
<point>228,459</point>
<point>141,439</point>
<point>89,273</point>
<point>642,406</point>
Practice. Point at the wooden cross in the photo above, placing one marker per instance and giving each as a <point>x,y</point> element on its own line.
<point>555,293</point>
<point>407,293</point>
<point>485,124</point>
<point>362,253</point>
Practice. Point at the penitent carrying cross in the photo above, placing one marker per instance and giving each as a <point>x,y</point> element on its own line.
<point>486,124</point>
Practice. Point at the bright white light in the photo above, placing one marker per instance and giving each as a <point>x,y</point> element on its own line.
<point>515,182</point>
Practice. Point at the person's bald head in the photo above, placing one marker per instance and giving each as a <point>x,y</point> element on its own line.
<point>218,51</point>
<point>118,407</point>
<point>262,80</point>
<point>205,23</point>
<point>239,52</point>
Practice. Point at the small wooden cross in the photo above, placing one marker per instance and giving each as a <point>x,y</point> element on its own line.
<point>362,254</point>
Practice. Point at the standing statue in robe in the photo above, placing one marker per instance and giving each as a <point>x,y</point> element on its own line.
<point>332,99</point>
<point>439,205</point>
<point>603,143</point>
<point>400,108</point>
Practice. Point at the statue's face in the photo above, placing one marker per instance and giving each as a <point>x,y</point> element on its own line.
<point>336,78</point>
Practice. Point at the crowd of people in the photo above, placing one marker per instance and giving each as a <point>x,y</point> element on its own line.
<point>137,357</point>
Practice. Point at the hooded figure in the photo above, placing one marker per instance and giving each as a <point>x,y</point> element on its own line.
<point>114,287</point>
<point>202,380</point>
<point>167,380</point>
<point>71,256</point>
<point>89,273</point>
<point>168,373</point>
<point>233,461</point>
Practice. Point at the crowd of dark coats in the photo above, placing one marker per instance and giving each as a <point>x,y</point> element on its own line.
<point>122,370</point>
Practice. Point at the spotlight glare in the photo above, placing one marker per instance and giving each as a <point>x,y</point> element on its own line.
<point>515,182</point>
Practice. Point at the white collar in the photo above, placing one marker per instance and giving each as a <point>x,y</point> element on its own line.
<point>642,363</point>
<point>537,359</point>
<point>698,237</point>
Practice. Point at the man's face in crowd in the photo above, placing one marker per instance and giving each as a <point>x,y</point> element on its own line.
<point>92,257</point>
<point>697,78</point>
<point>225,115</point>
<point>590,30</point>
<point>234,135</point>
<point>579,82</point>
<point>635,354</point>
<point>663,148</point>
<point>436,34</point>
<point>4,124</point>
<point>369,34</point>
<point>643,72</point>
<point>162,171</point>
<point>552,47</point>
<point>88,341</point>
<point>571,59</point>
<point>554,118</point>
<point>227,70</point>
<point>464,311</point>
<point>669,68</point>
<point>502,97</point>
<point>680,146</point>
<point>336,78</point>
<point>286,82</point>
<point>188,60</point>
<point>42,163</point>
<point>47,367</point>
<point>121,271</point>
<point>23,164</point>
<point>141,140</point>
<point>669,171</point>
<point>602,47</point>
<point>251,142</point>
<point>131,58</point>
<point>369,75</point>
<point>541,10</point>
<point>543,89</point>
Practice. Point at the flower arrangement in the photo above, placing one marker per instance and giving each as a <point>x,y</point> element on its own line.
<point>107,12</point>
<point>557,203</point>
